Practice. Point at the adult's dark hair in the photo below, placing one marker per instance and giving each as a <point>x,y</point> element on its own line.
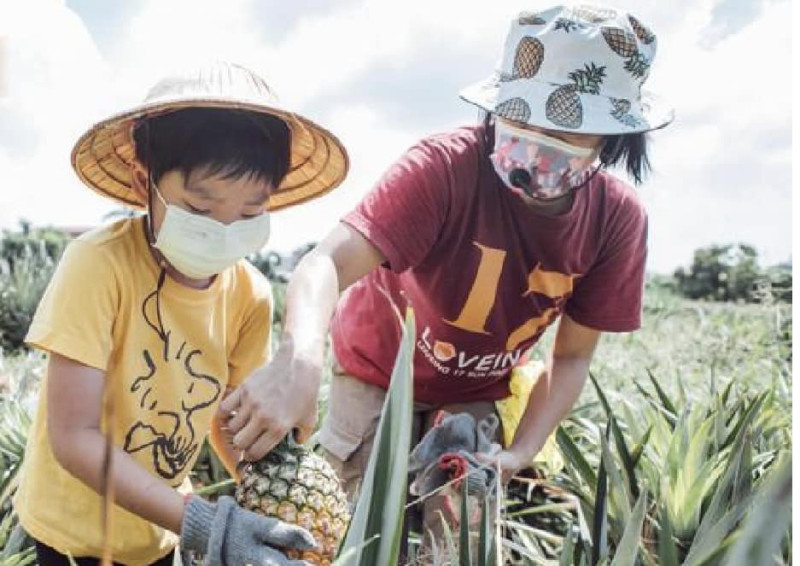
<point>226,142</point>
<point>630,149</point>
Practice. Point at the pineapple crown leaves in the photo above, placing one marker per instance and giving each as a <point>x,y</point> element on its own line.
<point>642,32</point>
<point>568,25</point>
<point>638,65</point>
<point>290,444</point>
<point>628,119</point>
<point>588,79</point>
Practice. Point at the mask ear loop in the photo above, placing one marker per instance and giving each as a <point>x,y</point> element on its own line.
<point>601,165</point>
<point>151,238</point>
<point>150,183</point>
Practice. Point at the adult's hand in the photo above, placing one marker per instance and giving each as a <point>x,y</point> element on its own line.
<point>510,462</point>
<point>279,398</point>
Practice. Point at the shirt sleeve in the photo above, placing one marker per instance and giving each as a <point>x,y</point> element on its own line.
<point>404,213</point>
<point>252,349</point>
<point>75,316</point>
<point>609,296</point>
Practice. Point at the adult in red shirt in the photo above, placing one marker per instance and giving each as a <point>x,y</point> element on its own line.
<point>492,232</point>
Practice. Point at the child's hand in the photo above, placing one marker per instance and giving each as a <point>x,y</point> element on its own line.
<point>227,534</point>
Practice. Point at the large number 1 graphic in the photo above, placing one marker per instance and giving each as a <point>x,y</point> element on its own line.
<point>482,295</point>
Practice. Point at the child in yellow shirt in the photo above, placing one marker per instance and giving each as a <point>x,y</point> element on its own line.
<point>158,317</point>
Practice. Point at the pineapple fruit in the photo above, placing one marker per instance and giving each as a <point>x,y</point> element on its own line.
<point>295,485</point>
<point>529,57</point>
<point>527,61</point>
<point>622,42</point>
<point>563,106</point>
<point>645,35</point>
<point>514,109</point>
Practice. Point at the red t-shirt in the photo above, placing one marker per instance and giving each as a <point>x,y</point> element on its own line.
<point>484,273</point>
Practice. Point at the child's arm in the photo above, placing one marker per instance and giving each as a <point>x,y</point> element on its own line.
<point>74,410</point>
<point>221,441</point>
<point>223,531</point>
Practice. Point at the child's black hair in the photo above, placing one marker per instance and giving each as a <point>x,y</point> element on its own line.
<point>227,142</point>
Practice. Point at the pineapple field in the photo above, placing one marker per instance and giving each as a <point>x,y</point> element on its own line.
<point>678,452</point>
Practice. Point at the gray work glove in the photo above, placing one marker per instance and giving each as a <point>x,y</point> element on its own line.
<point>229,535</point>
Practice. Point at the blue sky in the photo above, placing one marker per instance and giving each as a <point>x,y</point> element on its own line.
<point>383,74</point>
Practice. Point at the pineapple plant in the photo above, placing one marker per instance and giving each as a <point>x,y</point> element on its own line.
<point>563,106</point>
<point>295,485</point>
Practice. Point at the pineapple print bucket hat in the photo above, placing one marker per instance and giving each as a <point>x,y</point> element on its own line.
<point>578,69</point>
<point>102,156</point>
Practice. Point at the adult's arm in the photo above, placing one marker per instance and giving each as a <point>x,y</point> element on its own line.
<point>282,396</point>
<point>554,394</point>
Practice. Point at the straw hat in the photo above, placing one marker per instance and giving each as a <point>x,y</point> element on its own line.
<point>576,69</point>
<point>102,156</point>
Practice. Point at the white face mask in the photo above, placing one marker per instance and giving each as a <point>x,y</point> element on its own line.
<point>542,166</point>
<point>200,247</point>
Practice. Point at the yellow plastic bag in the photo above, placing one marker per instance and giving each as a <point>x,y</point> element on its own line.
<point>510,410</point>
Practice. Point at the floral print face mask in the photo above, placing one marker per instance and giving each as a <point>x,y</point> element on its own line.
<point>544,167</point>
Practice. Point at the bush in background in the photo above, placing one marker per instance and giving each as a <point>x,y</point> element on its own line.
<point>731,273</point>
<point>28,259</point>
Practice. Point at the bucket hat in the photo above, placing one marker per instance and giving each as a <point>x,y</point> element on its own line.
<point>102,156</point>
<point>575,68</point>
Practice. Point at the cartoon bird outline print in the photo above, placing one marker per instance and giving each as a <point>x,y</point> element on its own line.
<point>168,429</point>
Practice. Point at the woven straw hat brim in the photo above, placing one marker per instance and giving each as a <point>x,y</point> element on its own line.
<point>648,113</point>
<point>103,155</point>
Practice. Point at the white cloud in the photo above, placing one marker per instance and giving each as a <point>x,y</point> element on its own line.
<point>55,74</point>
<point>358,128</point>
<point>722,175</point>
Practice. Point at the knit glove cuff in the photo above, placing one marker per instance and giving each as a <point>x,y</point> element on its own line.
<point>198,518</point>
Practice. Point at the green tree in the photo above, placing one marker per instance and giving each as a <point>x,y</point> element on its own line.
<point>19,244</point>
<point>722,273</point>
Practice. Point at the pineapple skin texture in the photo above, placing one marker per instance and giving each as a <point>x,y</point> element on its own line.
<point>298,486</point>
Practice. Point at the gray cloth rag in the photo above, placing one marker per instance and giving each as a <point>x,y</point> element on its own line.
<point>454,434</point>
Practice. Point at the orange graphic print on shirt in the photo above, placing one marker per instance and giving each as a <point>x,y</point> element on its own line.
<point>551,290</point>
<point>483,293</point>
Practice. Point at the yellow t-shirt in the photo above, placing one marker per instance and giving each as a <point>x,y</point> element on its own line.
<point>167,360</point>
